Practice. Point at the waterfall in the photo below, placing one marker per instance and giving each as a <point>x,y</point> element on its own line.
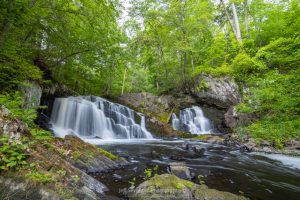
<point>91,116</point>
<point>191,120</point>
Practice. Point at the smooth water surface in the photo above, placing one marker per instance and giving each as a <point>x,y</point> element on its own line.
<point>223,168</point>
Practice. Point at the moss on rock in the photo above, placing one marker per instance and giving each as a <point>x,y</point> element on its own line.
<point>170,187</point>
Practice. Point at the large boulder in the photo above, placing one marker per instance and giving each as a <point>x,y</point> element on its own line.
<point>163,187</point>
<point>220,92</point>
<point>167,187</point>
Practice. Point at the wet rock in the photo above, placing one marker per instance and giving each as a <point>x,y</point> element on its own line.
<point>249,145</point>
<point>198,149</point>
<point>154,155</point>
<point>265,143</point>
<point>267,149</point>
<point>185,146</point>
<point>118,177</point>
<point>202,192</point>
<point>180,170</point>
<point>293,145</point>
<point>163,187</point>
<point>170,187</point>
<point>87,157</point>
<point>177,157</point>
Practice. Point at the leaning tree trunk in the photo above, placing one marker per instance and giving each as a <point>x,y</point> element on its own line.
<point>236,22</point>
<point>234,26</point>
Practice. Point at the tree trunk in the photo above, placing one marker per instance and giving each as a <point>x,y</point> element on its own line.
<point>228,17</point>
<point>164,61</point>
<point>123,84</point>
<point>192,62</point>
<point>236,22</point>
<point>184,65</point>
<point>246,16</point>
<point>234,26</point>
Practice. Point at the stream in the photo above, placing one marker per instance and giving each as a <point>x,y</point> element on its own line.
<point>122,131</point>
<point>224,168</point>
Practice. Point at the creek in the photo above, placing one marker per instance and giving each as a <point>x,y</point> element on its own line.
<point>122,131</point>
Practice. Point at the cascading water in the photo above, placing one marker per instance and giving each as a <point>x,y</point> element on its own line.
<point>191,120</point>
<point>96,117</point>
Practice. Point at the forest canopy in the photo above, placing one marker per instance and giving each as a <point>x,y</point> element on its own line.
<point>111,47</point>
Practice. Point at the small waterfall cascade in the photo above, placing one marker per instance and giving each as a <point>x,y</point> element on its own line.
<point>192,120</point>
<point>90,116</point>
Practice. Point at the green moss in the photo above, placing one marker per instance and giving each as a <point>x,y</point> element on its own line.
<point>109,155</point>
<point>39,177</point>
<point>186,135</point>
<point>202,86</point>
<point>200,137</point>
<point>76,154</point>
<point>167,181</point>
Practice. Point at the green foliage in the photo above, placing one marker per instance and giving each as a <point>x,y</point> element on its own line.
<point>39,177</point>
<point>201,179</point>
<point>244,67</point>
<point>40,134</point>
<point>149,173</point>
<point>14,70</point>
<point>133,182</point>
<point>14,103</point>
<point>224,70</point>
<point>274,98</point>
<point>282,54</point>
<point>12,153</point>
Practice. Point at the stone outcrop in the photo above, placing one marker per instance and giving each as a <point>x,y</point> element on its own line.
<point>167,187</point>
<point>32,93</point>
<point>234,119</point>
<point>220,92</point>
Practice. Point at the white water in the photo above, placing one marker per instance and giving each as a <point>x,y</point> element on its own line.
<point>95,117</point>
<point>191,120</point>
<point>290,161</point>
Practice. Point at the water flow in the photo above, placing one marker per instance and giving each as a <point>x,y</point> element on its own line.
<point>96,117</point>
<point>191,120</point>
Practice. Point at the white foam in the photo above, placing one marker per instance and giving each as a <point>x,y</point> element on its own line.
<point>290,161</point>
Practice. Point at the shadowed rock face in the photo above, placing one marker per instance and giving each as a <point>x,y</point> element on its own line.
<point>220,92</point>
<point>167,187</point>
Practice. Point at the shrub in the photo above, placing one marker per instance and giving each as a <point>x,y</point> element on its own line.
<point>12,154</point>
<point>282,54</point>
<point>244,66</point>
<point>14,70</point>
<point>13,102</point>
<point>215,71</point>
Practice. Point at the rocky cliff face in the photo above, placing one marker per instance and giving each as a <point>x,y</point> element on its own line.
<point>219,92</point>
<point>216,96</point>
